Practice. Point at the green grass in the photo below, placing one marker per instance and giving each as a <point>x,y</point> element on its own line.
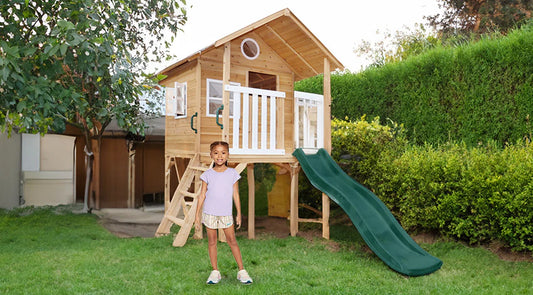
<point>47,251</point>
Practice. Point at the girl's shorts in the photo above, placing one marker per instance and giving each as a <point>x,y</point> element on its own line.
<point>214,222</point>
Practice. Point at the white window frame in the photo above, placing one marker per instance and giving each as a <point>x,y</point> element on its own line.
<point>174,97</point>
<point>210,98</point>
<point>256,45</point>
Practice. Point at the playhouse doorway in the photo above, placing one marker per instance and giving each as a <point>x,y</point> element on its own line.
<point>262,81</point>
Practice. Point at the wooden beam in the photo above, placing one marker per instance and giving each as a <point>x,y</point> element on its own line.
<point>325,216</point>
<point>251,201</point>
<point>292,49</point>
<point>168,162</point>
<point>327,142</point>
<point>294,199</point>
<point>327,106</point>
<point>226,72</point>
<point>131,177</point>
<point>198,98</point>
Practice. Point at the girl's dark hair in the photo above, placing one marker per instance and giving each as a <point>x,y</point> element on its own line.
<point>217,143</point>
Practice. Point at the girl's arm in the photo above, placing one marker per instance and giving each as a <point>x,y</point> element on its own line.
<point>237,202</point>
<point>201,199</point>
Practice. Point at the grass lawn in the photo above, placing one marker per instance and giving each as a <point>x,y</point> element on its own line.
<point>51,252</point>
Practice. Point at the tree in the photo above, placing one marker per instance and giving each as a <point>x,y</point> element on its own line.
<point>480,16</point>
<point>81,62</point>
<point>397,46</point>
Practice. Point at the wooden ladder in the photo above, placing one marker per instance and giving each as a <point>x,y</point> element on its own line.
<point>194,169</point>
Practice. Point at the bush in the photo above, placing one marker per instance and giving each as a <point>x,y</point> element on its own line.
<point>474,194</point>
<point>357,146</point>
<point>478,92</point>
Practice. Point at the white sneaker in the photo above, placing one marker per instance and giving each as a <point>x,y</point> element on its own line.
<point>214,277</point>
<point>243,277</point>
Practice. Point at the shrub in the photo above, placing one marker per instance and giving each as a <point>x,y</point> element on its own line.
<point>474,93</point>
<point>474,194</point>
<point>357,146</point>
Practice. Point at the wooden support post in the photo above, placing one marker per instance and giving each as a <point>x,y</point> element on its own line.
<point>198,234</point>
<point>327,106</point>
<point>226,66</point>
<point>325,216</point>
<point>221,235</point>
<point>327,142</point>
<point>294,199</point>
<point>131,176</point>
<point>198,95</point>
<point>251,201</point>
<point>168,167</point>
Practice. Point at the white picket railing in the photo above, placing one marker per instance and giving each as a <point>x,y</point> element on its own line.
<point>254,113</point>
<point>309,120</point>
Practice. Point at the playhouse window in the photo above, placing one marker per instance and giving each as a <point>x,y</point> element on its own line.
<point>250,48</point>
<point>176,100</point>
<point>214,97</point>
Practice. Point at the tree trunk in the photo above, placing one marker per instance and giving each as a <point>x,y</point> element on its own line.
<point>89,159</point>
<point>88,176</point>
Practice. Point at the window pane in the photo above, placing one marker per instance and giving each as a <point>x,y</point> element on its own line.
<point>213,106</point>
<point>215,89</point>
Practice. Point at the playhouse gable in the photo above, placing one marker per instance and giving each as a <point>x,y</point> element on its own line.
<point>284,34</point>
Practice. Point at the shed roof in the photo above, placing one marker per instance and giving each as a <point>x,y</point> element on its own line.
<point>288,37</point>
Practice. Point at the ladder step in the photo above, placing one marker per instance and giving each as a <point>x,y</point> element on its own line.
<point>199,168</point>
<point>188,194</point>
<point>176,220</point>
<point>188,203</point>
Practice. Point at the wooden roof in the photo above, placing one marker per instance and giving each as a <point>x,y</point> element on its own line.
<point>289,38</point>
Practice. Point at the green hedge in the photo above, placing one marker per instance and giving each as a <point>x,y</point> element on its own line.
<point>476,194</point>
<point>479,92</point>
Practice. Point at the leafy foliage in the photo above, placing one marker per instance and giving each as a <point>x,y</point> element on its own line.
<point>358,145</point>
<point>475,194</point>
<point>464,17</point>
<point>79,62</point>
<point>473,93</point>
<point>398,46</point>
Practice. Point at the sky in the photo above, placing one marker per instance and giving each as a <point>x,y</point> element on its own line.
<point>339,24</point>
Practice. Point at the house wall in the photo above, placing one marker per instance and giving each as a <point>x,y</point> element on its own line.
<point>10,170</point>
<point>48,169</point>
<point>180,139</point>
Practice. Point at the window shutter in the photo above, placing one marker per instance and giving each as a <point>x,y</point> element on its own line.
<point>181,99</point>
<point>170,99</point>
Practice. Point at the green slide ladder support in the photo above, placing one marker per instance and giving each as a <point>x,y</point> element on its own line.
<point>376,224</point>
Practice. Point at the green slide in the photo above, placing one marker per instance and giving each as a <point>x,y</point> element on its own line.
<point>376,224</point>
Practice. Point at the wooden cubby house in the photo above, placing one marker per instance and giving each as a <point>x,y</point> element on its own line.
<point>240,89</point>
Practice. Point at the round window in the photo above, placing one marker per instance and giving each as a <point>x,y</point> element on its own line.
<point>250,48</point>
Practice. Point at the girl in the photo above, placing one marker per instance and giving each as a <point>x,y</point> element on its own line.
<point>219,186</point>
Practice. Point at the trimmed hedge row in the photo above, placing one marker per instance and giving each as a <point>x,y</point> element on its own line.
<point>476,194</point>
<point>479,92</point>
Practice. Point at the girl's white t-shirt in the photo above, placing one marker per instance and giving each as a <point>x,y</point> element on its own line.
<point>219,195</point>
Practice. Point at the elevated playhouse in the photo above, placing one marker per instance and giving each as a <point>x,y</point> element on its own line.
<point>240,89</point>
